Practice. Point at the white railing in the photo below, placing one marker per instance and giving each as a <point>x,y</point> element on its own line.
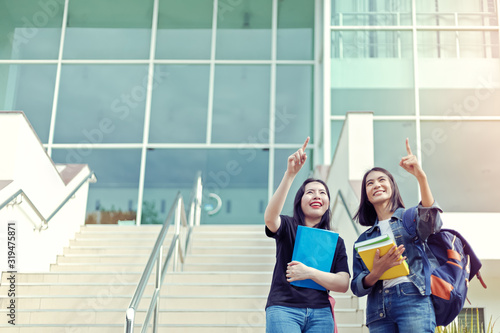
<point>20,196</point>
<point>176,251</point>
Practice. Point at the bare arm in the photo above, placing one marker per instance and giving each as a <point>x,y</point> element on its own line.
<point>410,164</point>
<point>338,282</point>
<point>275,205</point>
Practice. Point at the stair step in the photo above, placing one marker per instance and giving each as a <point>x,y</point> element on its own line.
<point>195,249</point>
<point>109,250</point>
<point>222,316</point>
<point>143,258</point>
<point>118,301</point>
<point>129,288</point>
<point>119,328</point>
<point>133,277</point>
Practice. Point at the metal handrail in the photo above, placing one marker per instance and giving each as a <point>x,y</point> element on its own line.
<point>177,210</point>
<point>44,221</point>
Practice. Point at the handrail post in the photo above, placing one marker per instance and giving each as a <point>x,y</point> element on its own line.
<point>177,225</point>
<point>199,197</point>
<point>157,288</point>
<point>129,320</point>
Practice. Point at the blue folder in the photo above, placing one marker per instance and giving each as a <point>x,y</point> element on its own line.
<point>314,248</point>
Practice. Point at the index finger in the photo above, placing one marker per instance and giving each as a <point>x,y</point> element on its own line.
<point>305,144</point>
<point>408,149</point>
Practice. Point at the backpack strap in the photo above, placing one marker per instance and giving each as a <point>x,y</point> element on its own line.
<point>410,224</point>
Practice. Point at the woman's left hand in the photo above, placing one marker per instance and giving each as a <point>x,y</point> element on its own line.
<point>410,163</point>
<point>296,271</point>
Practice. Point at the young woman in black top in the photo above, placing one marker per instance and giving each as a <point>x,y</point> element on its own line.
<point>289,308</point>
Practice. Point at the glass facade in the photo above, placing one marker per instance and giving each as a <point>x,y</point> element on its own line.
<point>429,71</point>
<point>150,92</point>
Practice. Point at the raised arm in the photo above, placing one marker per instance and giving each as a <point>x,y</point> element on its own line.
<point>410,164</point>
<point>275,205</point>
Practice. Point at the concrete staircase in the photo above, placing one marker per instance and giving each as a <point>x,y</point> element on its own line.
<point>223,286</point>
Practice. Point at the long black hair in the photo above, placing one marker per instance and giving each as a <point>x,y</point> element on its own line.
<point>298,214</point>
<point>366,214</point>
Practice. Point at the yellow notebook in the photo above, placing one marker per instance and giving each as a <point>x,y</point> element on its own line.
<point>366,250</point>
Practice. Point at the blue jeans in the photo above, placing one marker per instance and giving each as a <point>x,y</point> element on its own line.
<point>284,319</point>
<point>407,311</point>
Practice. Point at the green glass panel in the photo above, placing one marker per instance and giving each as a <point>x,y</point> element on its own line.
<point>102,103</point>
<point>389,147</point>
<point>29,88</point>
<point>371,12</point>
<point>179,105</point>
<point>294,103</point>
<point>241,104</point>
<point>237,176</point>
<point>295,38</point>
<point>116,29</point>
<point>244,29</point>
<point>462,165</point>
<point>114,196</point>
<point>378,101</point>
<point>336,129</point>
<point>30,29</point>
<point>184,29</point>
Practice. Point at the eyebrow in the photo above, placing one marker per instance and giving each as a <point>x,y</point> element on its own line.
<point>371,179</point>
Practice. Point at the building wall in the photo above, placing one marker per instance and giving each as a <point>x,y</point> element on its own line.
<point>150,92</point>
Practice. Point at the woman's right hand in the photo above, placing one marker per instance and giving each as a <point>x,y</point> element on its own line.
<point>391,259</point>
<point>382,263</point>
<point>297,160</point>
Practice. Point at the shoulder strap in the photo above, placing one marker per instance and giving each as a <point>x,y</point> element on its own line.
<point>410,222</point>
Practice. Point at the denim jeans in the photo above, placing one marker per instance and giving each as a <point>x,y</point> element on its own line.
<point>407,311</point>
<point>284,319</point>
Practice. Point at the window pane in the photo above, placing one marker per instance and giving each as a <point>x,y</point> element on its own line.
<point>336,129</point>
<point>369,12</point>
<point>102,103</point>
<point>114,196</point>
<point>30,29</point>
<point>294,103</point>
<point>372,44</point>
<point>379,101</point>
<point>461,164</point>
<point>116,29</point>
<point>449,12</point>
<point>180,21</point>
<point>244,29</point>
<point>29,88</point>
<point>280,164</point>
<point>239,177</point>
<point>295,30</point>
<point>389,147</point>
<point>478,44</point>
<point>179,105</point>
<point>241,104</point>
<point>436,44</point>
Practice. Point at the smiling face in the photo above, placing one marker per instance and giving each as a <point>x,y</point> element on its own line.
<point>314,202</point>
<point>378,188</point>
